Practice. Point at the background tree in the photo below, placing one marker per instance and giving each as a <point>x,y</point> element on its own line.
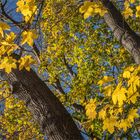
<point>81,60</point>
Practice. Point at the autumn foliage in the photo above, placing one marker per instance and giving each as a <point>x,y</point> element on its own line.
<point>73,50</point>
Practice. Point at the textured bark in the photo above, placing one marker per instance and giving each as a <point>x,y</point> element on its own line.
<point>45,107</point>
<point>123,33</point>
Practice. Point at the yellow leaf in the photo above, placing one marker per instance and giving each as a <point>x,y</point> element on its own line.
<point>126,74</point>
<point>88,13</point>
<point>132,115</point>
<point>8,63</point>
<point>27,9</point>
<point>102,114</point>
<point>85,7</point>
<point>124,124</point>
<point>109,124</point>
<point>28,37</point>
<point>91,110</point>
<point>132,80</point>
<point>128,12</point>
<point>105,79</point>
<point>108,90</point>
<point>25,62</point>
<point>134,84</point>
<point>99,9</point>
<point>130,68</point>
<point>92,8</point>
<point>126,4</point>
<point>3,26</point>
<point>132,1</point>
<point>133,97</point>
<point>7,45</point>
<point>138,11</point>
<point>118,95</point>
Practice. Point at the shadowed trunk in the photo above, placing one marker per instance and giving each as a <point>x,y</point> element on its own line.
<point>53,118</point>
<point>123,33</point>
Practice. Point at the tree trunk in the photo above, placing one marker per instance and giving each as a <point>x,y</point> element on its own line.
<point>45,107</point>
<point>123,33</point>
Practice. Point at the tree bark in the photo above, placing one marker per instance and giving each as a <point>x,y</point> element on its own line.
<point>45,107</point>
<point>123,33</point>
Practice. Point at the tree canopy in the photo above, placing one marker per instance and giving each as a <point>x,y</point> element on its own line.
<point>86,51</point>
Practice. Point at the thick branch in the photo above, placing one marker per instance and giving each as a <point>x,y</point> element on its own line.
<point>45,107</point>
<point>123,33</point>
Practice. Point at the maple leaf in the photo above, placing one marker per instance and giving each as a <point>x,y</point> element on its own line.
<point>8,63</point>
<point>91,109</point>
<point>126,4</point>
<point>124,124</point>
<point>108,90</point>
<point>138,11</point>
<point>25,62</point>
<point>102,114</point>
<point>28,37</point>
<point>126,74</point>
<point>130,68</point>
<point>132,115</point>
<point>85,7</point>
<point>99,9</point>
<point>20,4</point>
<point>105,79</point>
<point>133,97</point>
<point>128,12</point>
<point>3,26</point>
<point>92,8</point>
<point>119,95</point>
<point>89,12</point>
<point>10,37</point>
<point>27,8</point>
<point>109,124</point>
<point>132,1</point>
<point>7,45</point>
